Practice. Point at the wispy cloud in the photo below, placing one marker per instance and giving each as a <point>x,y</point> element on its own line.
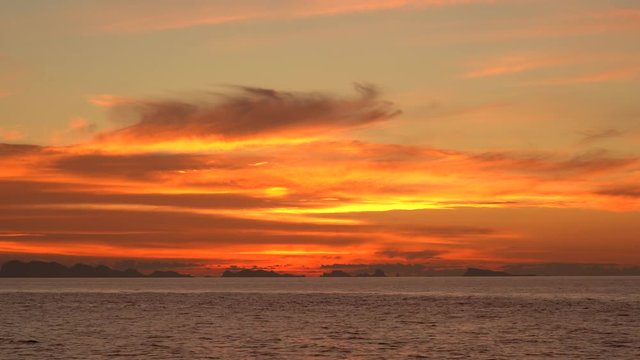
<point>618,67</point>
<point>539,22</point>
<point>516,63</point>
<point>627,191</point>
<point>108,101</point>
<point>599,21</point>
<point>631,73</point>
<point>164,15</point>
<point>10,135</point>
<point>595,135</point>
<point>79,129</point>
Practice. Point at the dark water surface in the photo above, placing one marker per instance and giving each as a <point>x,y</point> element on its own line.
<point>334,318</point>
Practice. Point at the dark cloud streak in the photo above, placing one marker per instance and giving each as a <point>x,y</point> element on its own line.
<point>249,113</point>
<point>595,135</point>
<point>141,166</point>
<point>42,193</point>
<point>631,191</point>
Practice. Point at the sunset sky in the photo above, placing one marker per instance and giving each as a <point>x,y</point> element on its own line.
<point>303,136</point>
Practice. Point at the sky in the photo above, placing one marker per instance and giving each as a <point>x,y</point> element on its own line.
<point>301,136</point>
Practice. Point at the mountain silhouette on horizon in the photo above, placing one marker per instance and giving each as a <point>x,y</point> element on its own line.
<point>255,273</point>
<point>16,268</point>
<point>341,273</point>
<point>484,272</point>
<point>336,273</point>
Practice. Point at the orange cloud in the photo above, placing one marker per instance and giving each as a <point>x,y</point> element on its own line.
<point>631,191</point>
<point>146,17</point>
<point>619,74</point>
<point>603,21</point>
<point>78,129</point>
<point>550,25</point>
<point>626,13</point>
<point>512,64</point>
<point>10,135</point>
<point>109,101</point>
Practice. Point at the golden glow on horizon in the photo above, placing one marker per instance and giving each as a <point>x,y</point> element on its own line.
<point>292,252</point>
<point>190,145</point>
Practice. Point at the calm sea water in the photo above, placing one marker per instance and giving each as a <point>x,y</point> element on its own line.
<point>333,318</point>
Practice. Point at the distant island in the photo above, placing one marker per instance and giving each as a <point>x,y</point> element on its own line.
<point>486,272</point>
<point>255,273</point>
<point>340,273</point>
<point>42,269</point>
<point>22,269</point>
<point>336,273</point>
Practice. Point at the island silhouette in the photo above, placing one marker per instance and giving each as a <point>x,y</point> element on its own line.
<point>255,273</point>
<point>340,273</point>
<point>22,269</point>
<point>485,272</point>
<point>16,268</point>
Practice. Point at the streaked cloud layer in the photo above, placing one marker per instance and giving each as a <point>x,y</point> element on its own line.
<point>469,138</point>
<point>145,16</point>
<point>166,186</point>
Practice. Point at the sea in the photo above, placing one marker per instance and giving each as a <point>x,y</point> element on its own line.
<point>330,318</point>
